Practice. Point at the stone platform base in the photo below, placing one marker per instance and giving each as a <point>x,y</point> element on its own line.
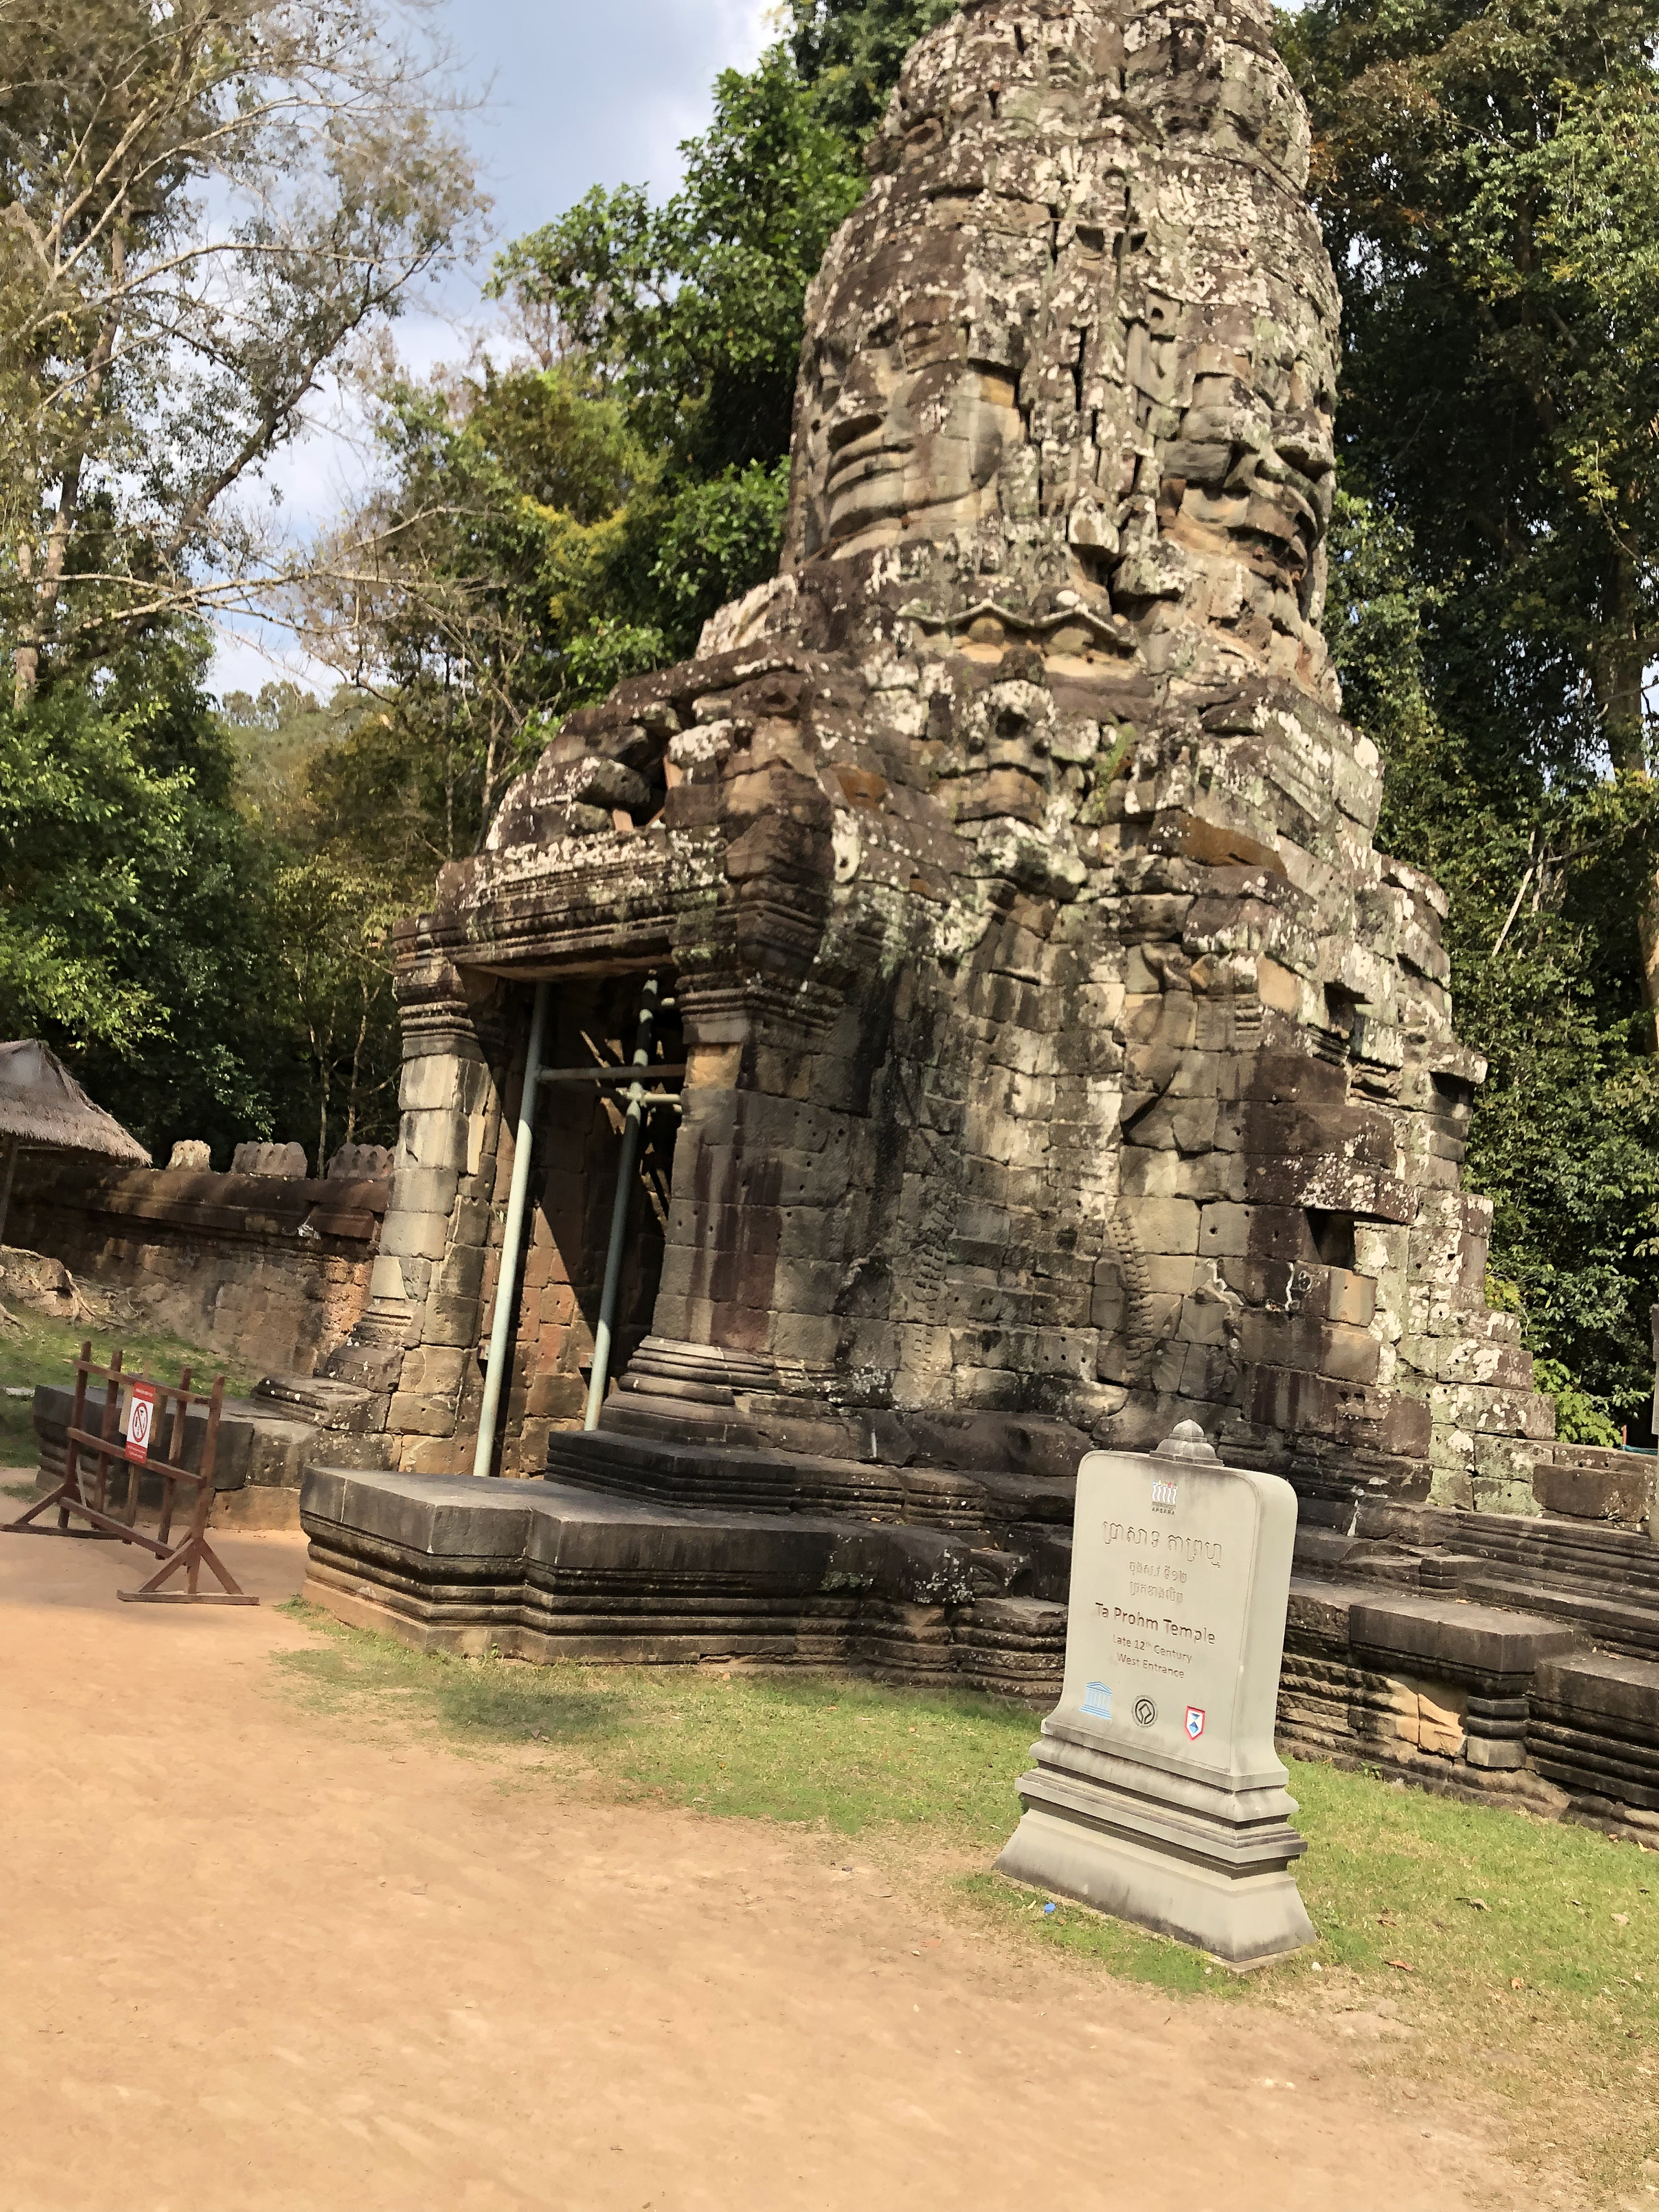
<point>706,1474</point>
<point>545,1571</point>
<point>1508,1663</point>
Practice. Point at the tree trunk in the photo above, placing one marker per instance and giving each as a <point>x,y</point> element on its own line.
<point>1647,928</point>
<point>26,665</point>
<point>322,1102</point>
<point>1617,667</point>
<point>357,1067</point>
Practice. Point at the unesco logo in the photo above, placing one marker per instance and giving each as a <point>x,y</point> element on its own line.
<point>1146,1711</point>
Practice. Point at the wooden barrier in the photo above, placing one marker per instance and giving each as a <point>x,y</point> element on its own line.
<point>147,1418</point>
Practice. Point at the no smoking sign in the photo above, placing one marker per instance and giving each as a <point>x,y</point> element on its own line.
<point>141,1416</point>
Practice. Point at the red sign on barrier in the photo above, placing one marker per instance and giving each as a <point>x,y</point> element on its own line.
<point>140,1415</point>
<point>145,1401</point>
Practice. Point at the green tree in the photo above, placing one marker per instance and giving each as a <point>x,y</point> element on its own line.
<point>133,921</point>
<point>1537,867</point>
<point>689,316</point>
<point>280,739</point>
<point>1488,182</point>
<point>497,577</point>
<point>692,311</point>
<point>332,924</point>
<point>1486,179</point>
<point>850,53</point>
<point>546,530</point>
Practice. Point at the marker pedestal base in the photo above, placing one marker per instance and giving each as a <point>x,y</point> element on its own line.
<point>1155,1792</point>
<point>1215,1875</point>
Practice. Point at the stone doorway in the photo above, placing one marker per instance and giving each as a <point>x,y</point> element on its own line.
<point>591,1021</point>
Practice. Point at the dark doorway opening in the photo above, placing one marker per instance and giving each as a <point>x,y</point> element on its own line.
<point>594,1023</point>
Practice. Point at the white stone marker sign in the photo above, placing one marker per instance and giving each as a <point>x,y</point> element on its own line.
<point>1156,1793</point>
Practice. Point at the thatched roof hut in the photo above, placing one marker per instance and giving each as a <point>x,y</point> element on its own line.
<point>44,1109</point>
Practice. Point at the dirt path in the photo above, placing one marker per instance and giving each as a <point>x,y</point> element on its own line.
<point>251,1961</point>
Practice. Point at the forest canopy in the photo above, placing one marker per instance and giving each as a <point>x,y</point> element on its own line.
<point>195,895</point>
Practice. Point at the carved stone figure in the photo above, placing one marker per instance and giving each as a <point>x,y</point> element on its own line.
<point>1079,340</point>
<point>1059,1059</point>
<point>287,1162</point>
<point>1063,1059</point>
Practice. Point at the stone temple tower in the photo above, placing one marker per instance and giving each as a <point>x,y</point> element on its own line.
<point>1062,1059</point>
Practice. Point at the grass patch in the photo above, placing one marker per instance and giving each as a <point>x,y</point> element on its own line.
<point>43,1349</point>
<point>848,1757</point>
<point>1528,1953</point>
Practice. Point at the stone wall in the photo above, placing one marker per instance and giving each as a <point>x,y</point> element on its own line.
<point>271,1273</point>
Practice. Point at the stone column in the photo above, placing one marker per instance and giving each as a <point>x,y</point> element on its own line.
<point>416,1342</point>
<point>755,1145</point>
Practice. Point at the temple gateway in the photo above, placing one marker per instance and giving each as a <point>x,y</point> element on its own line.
<point>961,1016</point>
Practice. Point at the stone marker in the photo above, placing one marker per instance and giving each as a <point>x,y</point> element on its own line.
<point>1156,1795</point>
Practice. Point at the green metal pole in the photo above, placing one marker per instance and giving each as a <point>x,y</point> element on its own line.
<point>507,1285</point>
<point>613,1258</point>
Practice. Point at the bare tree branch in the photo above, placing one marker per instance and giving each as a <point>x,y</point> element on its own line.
<point>200,209</point>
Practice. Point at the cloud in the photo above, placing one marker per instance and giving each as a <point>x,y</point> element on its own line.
<point>581,95</point>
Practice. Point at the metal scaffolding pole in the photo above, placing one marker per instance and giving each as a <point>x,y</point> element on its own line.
<point>613,1258</point>
<point>506,1284</point>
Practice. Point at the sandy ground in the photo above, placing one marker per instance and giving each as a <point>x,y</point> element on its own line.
<point>252,1961</point>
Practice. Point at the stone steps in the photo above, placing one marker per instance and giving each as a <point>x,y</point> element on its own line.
<point>1631,1629</point>
<point>1447,1692</point>
<point>738,1478</point>
<point>1594,1729</point>
<point>1603,1583</point>
<point>1621,1562</point>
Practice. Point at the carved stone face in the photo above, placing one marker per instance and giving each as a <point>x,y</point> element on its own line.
<point>1065,348</point>
<point>905,435</point>
<point>1248,478</point>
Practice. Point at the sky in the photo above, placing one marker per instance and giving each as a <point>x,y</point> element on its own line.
<point>592,94</point>
<point>571,95</point>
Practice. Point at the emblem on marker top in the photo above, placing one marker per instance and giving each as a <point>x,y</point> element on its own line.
<point>1164,1497</point>
<point>1146,1711</point>
<point>1097,1700</point>
<point>1194,1722</point>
